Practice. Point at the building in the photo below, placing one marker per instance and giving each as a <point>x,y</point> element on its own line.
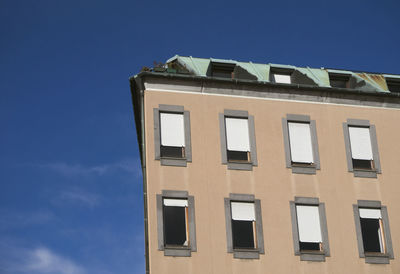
<point>264,168</point>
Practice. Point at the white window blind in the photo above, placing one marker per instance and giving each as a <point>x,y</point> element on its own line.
<point>172,129</point>
<point>282,78</point>
<point>237,134</point>
<point>300,142</point>
<point>360,142</point>
<point>309,224</point>
<point>176,202</point>
<point>370,213</point>
<point>243,211</point>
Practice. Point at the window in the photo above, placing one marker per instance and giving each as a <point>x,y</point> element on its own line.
<point>222,70</point>
<point>339,80</point>
<point>176,230</point>
<point>282,75</point>
<point>309,227</point>
<point>373,233</point>
<point>237,139</point>
<point>361,148</point>
<point>372,230</point>
<point>310,233</point>
<point>238,144</point>
<point>292,75</point>
<point>172,135</point>
<point>172,143</point>
<point>393,85</point>
<point>176,223</point>
<point>301,144</point>
<point>244,226</point>
<point>282,78</point>
<point>229,70</point>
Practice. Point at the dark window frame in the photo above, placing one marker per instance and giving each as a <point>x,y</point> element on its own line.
<point>393,82</point>
<point>373,258</point>
<point>217,68</point>
<point>301,169</point>
<point>244,253</point>
<point>305,255</point>
<point>168,161</point>
<point>339,77</point>
<point>236,165</point>
<point>363,173</point>
<point>176,251</point>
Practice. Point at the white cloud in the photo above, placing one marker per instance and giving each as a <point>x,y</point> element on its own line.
<point>127,165</point>
<point>14,219</point>
<point>81,197</point>
<point>43,260</point>
<point>39,260</point>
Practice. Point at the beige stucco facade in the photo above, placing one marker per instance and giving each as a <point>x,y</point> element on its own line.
<point>272,182</point>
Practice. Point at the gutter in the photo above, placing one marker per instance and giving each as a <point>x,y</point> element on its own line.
<point>138,107</point>
<point>344,91</point>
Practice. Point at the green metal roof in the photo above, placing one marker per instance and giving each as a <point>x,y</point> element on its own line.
<point>304,75</point>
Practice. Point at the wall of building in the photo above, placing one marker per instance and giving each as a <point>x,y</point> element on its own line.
<point>210,182</point>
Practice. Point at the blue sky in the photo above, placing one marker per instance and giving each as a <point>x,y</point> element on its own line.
<point>70,176</point>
